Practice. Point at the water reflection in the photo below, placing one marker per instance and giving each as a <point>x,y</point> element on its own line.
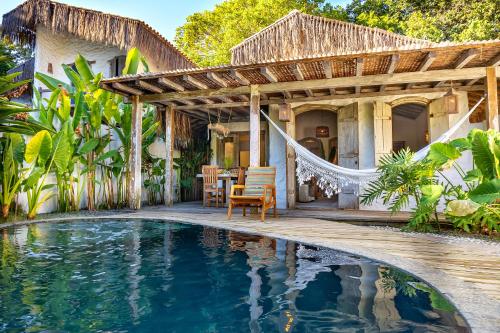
<point>144,276</point>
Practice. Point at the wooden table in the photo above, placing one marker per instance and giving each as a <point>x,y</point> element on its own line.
<point>226,178</point>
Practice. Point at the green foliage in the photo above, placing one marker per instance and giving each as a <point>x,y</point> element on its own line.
<point>12,55</point>
<point>11,170</point>
<point>193,157</point>
<point>471,206</point>
<point>72,142</point>
<point>208,36</point>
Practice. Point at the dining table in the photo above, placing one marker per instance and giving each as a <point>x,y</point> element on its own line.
<point>226,178</point>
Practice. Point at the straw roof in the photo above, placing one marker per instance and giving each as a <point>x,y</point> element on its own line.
<point>299,35</point>
<point>20,26</point>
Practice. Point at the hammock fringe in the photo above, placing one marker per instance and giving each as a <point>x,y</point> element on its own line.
<point>332,178</point>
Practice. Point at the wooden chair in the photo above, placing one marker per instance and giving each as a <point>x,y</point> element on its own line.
<point>211,189</point>
<point>259,191</point>
<point>241,176</point>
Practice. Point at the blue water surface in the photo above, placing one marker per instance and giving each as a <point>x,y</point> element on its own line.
<point>147,276</point>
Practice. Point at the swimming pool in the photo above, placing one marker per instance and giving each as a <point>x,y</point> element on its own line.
<point>142,276</point>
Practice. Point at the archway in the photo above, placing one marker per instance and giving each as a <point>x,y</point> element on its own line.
<point>316,129</point>
<point>410,126</point>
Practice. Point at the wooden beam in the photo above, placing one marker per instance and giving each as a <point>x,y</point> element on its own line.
<point>268,74</point>
<point>195,82</point>
<point>359,73</point>
<point>492,63</point>
<point>462,60</point>
<point>299,75</point>
<point>392,67</point>
<point>217,78</point>
<point>126,89</point>
<point>290,164</point>
<point>238,76</point>
<point>171,84</point>
<point>424,65</point>
<point>287,94</point>
<point>254,126</point>
<point>465,58</point>
<point>169,158</point>
<point>327,97</point>
<point>338,82</point>
<point>244,98</point>
<point>148,86</point>
<point>492,102</point>
<point>135,159</point>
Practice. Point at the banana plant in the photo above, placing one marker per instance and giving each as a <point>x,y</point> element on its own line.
<point>12,172</point>
<point>14,117</point>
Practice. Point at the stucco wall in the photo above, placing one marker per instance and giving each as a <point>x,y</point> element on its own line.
<point>306,123</point>
<point>277,157</point>
<point>59,49</point>
<point>366,136</point>
<point>408,130</point>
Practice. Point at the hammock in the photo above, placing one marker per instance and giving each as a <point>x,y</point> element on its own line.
<point>331,178</point>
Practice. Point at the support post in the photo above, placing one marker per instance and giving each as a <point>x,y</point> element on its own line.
<point>135,177</point>
<point>254,126</point>
<point>290,164</point>
<point>492,103</point>
<point>169,158</point>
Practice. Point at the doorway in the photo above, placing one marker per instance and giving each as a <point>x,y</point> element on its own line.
<point>410,127</point>
<point>316,130</point>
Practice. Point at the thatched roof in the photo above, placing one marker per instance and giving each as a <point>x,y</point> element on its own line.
<point>20,26</point>
<point>299,35</point>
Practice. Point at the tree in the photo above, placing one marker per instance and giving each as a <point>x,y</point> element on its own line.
<point>208,36</point>
<point>436,20</point>
<point>11,55</point>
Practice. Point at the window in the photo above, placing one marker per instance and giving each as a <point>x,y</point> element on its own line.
<point>117,64</point>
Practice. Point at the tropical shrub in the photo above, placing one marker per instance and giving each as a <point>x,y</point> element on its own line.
<point>82,136</point>
<point>11,169</point>
<point>472,205</point>
<point>14,117</point>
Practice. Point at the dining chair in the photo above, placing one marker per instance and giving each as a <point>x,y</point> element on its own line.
<point>211,189</point>
<point>241,176</point>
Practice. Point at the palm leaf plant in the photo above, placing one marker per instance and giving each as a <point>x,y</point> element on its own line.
<point>472,204</point>
<point>12,172</point>
<point>14,117</point>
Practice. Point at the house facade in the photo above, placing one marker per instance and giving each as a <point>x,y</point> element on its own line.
<point>57,33</point>
<point>348,93</point>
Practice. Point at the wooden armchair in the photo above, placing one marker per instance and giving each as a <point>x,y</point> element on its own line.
<point>211,189</point>
<point>258,191</point>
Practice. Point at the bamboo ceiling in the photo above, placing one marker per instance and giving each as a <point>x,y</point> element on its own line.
<point>223,91</point>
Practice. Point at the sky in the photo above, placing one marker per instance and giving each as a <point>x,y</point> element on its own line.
<point>163,15</point>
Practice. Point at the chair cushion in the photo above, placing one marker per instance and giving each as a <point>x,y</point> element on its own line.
<point>256,177</point>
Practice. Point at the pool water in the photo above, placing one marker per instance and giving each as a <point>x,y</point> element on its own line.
<point>147,276</point>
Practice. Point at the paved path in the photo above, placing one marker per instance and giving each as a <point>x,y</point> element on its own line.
<point>467,271</point>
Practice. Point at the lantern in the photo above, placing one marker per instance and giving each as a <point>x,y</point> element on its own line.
<point>322,132</point>
<point>450,102</point>
<point>284,113</point>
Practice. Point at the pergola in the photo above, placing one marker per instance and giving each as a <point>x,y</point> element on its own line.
<point>239,91</point>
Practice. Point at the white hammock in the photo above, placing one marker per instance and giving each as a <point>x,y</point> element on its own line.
<point>331,178</point>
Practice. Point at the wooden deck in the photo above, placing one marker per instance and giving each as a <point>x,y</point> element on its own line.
<point>467,271</point>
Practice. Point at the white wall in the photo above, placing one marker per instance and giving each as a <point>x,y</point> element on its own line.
<point>366,146</point>
<point>409,130</point>
<point>306,123</point>
<point>277,157</point>
<point>59,49</point>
